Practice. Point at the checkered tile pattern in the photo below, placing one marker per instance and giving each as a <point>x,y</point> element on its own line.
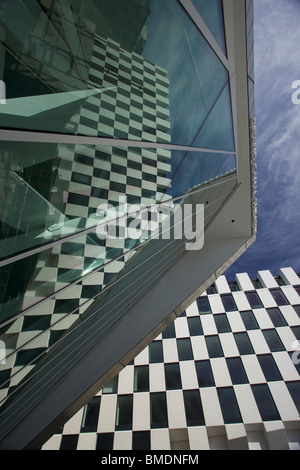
<point>132,104</point>
<point>224,375</point>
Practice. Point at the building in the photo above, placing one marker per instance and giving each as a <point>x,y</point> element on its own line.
<point>224,375</point>
<point>95,117</point>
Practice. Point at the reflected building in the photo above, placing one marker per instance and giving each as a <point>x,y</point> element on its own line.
<point>111,104</point>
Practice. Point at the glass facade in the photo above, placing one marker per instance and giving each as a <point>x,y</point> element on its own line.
<point>113,104</point>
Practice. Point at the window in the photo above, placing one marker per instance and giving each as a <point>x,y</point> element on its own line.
<point>69,442</point>
<point>155,352</point>
<point>78,199</point>
<point>273,340</point>
<point>249,320</point>
<point>233,285</point>
<point>254,300</point>
<point>265,402</point>
<point>280,281</point>
<point>276,317</point>
<point>236,370</point>
<point>195,327</point>
<point>211,290</point>
<point>297,289</point>
<point>203,305</point>
<point>269,367</point>
<point>214,346</point>
<point>124,412</point>
<point>296,331</point>
<point>257,284</point>
<point>172,375</point>
<point>158,410</point>
<point>228,302</point>
<point>229,405</point>
<point>141,378</point>
<point>294,389</point>
<point>279,297</point>
<point>169,332</point>
<point>297,309</point>
<point>243,343</point>
<point>91,415</point>
<point>193,408</point>
<point>204,374</point>
<point>141,440</point>
<point>81,178</point>
<point>112,386</point>
<point>185,352</point>
<point>105,441</point>
<point>222,323</point>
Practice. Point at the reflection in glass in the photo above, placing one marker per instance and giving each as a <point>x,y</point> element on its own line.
<point>139,70</point>
<point>212,14</point>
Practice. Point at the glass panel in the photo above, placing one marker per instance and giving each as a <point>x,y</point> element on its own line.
<point>204,374</point>
<point>279,297</point>
<point>212,14</point>
<point>236,370</point>
<point>193,408</point>
<point>297,309</point>
<point>141,440</point>
<point>222,323</point>
<point>124,412</point>
<point>69,442</point>
<point>273,340</point>
<point>243,343</point>
<point>112,386</point>
<point>229,405</point>
<point>233,286</point>
<point>102,70</point>
<point>158,410</point>
<point>56,191</point>
<point>249,320</point>
<point>203,305</point>
<point>141,378</point>
<point>185,352</point>
<point>172,375</point>
<point>216,130</point>
<point>265,402</point>
<point>276,317</point>
<point>195,327</point>
<point>214,346</point>
<point>105,441</point>
<point>294,389</point>
<point>228,302</point>
<point>269,367</point>
<point>169,332</point>
<point>296,331</point>
<point>91,415</point>
<point>254,300</point>
<point>156,352</point>
<point>211,290</point>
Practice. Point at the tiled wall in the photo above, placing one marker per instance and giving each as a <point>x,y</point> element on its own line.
<point>224,375</point>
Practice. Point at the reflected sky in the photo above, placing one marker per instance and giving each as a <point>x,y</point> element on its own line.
<point>196,74</point>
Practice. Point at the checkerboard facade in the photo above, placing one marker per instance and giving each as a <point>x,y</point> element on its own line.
<point>223,375</point>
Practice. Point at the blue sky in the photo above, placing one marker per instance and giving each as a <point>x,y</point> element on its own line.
<point>277,66</point>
